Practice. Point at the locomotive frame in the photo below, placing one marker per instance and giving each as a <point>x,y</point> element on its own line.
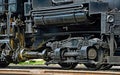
<point>64,32</point>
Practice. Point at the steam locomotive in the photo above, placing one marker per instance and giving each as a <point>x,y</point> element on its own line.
<point>64,32</point>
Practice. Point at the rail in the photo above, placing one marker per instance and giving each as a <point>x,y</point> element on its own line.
<point>53,72</point>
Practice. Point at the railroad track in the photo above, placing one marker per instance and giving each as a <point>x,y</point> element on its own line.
<point>53,72</point>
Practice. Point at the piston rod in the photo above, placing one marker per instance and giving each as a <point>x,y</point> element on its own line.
<point>26,54</point>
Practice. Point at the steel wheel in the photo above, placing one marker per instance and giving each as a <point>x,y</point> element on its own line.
<point>3,64</point>
<point>93,66</point>
<point>106,66</point>
<point>68,65</point>
<point>94,55</point>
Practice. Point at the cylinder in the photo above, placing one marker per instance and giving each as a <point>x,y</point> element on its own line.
<point>58,19</point>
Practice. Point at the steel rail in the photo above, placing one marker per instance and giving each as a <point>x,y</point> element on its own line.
<point>53,72</point>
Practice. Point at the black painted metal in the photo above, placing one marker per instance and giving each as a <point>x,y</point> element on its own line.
<point>64,31</point>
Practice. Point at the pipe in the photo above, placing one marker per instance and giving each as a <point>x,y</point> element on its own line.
<point>60,18</point>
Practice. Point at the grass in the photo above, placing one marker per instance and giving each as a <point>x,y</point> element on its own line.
<point>33,62</point>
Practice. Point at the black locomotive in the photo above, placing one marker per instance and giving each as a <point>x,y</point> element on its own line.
<point>64,32</point>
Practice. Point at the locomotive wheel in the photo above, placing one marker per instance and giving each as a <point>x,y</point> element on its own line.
<point>3,64</point>
<point>106,66</point>
<point>93,66</point>
<point>94,55</point>
<point>67,66</point>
